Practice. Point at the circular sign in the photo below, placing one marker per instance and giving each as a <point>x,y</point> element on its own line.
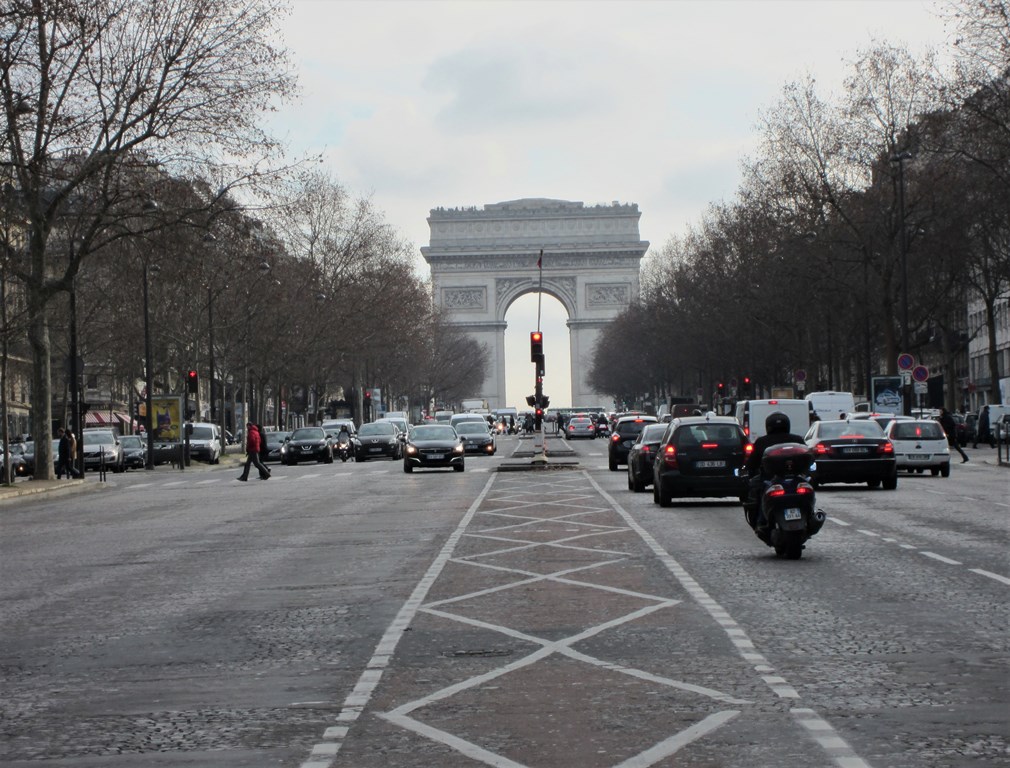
<point>905,362</point>
<point>799,375</point>
<point>920,373</point>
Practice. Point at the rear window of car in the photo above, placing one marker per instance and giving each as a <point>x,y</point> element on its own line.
<point>631,428</point>
<point>915,430</point>
<point>653,433</point>
<point>377,428</point>
<point>693,435</point>
<point>860,428</point>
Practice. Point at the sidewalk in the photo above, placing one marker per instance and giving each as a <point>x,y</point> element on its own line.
<point>29,487</point>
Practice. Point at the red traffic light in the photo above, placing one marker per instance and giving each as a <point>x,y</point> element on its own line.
<point>193,381</point>
<point>536,346</point>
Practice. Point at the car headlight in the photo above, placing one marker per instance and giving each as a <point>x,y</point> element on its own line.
<point>458,449</point>
<point>411,449</point>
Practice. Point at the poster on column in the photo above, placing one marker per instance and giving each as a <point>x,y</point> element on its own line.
<point>887,394</point>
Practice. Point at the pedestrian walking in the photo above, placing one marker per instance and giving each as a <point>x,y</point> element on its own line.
<point>253,444</point>
<point>947,422</point>
<point>65,454</point>
<point>982,433</point>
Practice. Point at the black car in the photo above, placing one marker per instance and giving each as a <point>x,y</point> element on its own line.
<point>17,464</point>
<point>377,440</point>
<point>640,457</point>
<point>433,445</point>
<point>626,430</point>
<point>134,451</point>
<point>26,467</point>
<point>699,457</point>
<point>271,443</point>
<point>477,438</point>
<point>307,444</point>
<point>852,451</point>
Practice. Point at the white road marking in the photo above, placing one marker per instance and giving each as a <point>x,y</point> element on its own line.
<point>991,575</point>
<point>866,532</point>
<point>941,558</point>
<point>355,702</point>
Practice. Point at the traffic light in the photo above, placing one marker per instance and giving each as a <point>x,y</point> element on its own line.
<point>721,389</point>
<point>536,347</point>
<point>544,402</point>
<point>531,400</point>
<point>193,382</point>
<point>368,397</point>
<point>745,387</point>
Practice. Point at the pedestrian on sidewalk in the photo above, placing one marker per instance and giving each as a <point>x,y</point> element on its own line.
<point>982,433</point>
<point>253,443</point>
<point>947,422</point>
<point>65,454</point>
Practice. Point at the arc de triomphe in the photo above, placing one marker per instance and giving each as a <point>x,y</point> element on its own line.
<point>483,259</point>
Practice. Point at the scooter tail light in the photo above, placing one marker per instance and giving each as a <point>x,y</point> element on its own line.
<point>775,491</point>
<point>804,489</point>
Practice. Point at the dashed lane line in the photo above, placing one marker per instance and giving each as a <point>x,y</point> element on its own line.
<point>923,552</point>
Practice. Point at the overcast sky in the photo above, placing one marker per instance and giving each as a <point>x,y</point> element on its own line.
<point>425,104</point>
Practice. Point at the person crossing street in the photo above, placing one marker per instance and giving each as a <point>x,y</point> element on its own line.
<point>253,444</point>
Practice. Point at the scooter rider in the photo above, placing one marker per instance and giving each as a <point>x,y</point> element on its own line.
<point>776,433</point>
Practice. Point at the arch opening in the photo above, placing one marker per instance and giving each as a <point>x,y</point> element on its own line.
<point>521,319</point>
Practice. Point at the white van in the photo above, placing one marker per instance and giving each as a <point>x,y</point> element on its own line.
<point>831,405</point>
<point>752,414</point>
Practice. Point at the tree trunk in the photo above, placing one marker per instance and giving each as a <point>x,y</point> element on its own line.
<point>42,411</point>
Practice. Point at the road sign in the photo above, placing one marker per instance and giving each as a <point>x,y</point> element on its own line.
<point>905,362</point>
<point>921,388</point>
<point>799,375</point>
<point>906,378</point>
<point>920,373</point>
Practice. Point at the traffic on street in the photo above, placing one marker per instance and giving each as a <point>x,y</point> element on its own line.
<point>354,614</point>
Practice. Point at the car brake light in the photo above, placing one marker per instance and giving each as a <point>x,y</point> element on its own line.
<point>821,449</point>
<point>616,437</point>
<point>746,431</point>
<point>670,456</point>
<point>646,449</point>
<point>748,448</point>
<point>773,402</point>
<point>709,446</point>
<point>775,491</point>
<point>885,447</point>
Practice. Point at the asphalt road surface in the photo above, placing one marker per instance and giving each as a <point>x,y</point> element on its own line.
<point>354,615</point>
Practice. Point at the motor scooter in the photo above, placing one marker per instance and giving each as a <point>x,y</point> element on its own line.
<point>784,496</point>
<point>344,449</point>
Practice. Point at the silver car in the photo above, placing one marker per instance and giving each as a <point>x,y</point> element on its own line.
<point>580,426</point>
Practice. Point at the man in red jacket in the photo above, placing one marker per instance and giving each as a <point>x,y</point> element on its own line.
<point>253,442</point>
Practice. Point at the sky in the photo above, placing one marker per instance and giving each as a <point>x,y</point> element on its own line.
<point>417,105</point>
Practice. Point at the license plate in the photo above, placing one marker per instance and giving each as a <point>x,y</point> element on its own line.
<point>375,450</point>
<point>710,464</point>
<point>792,514</point>
<point>436,456</point>
<point>855,451</point>
<point>919,457</point>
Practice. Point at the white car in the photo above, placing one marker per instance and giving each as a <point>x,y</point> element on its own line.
<point>920,444</point>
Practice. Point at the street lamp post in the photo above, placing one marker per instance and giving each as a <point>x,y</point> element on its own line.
<point>148,374</point>
<point>900,159</point>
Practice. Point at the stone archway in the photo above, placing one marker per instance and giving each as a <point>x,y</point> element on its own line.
<point>483,259</point>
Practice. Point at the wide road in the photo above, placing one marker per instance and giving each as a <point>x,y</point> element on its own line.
<point>353,615</point>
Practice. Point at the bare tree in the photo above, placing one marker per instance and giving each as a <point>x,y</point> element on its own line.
<point>86,86</point>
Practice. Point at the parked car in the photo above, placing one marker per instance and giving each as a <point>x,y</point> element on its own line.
<point>477,438</point>
<point>377,440</point>
<point>580,426</point>
<point>641,454</point>
<point>433,445</point>
<point>853,451</point>
<point>626,430</point>
<point>271,444</point>
<point>26,467</point>
<point>920,444</point>
<point>17,461</point>
<point>699,457</point>
<point>205,442</point>
<point>134,451</point>
<point>101,448</point>
<point>307,444</point>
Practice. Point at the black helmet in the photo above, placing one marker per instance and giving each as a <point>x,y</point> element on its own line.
<point>777,422</point>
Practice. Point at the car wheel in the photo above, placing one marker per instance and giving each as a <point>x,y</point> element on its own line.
<point>459,467</point>
<point>872,483</point>
<point>945,470</point>
<point>407,467</point>
<point>891,483</point>
<point>665,498</point>
<point>934,471</point>
<point>613,464</point>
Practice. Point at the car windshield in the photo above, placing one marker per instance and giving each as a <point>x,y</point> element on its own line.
<point>202,433</point>
<point>917,430</point>
<point>131,441</point>
<point>275,437</point>
<point>860,428</point>
<point>377,428</point>
<point>471,428</point>
<point>99,438</point>
<point>309,433</point>
<point>433,432</point>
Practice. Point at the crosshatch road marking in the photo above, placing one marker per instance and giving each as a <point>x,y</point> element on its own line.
<point>509,549</point>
